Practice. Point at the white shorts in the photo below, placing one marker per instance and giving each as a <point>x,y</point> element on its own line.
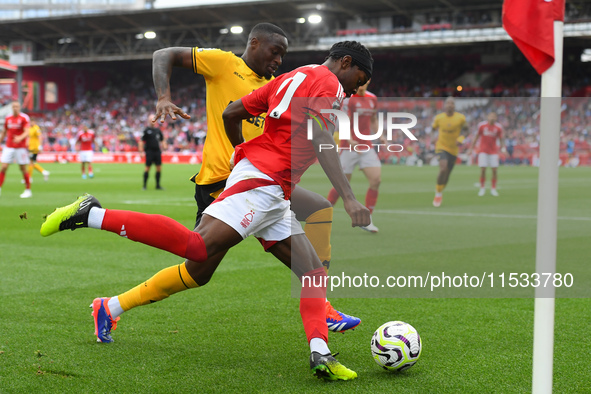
<point>249,209</point>
<point>18,155</point>
<point>349,159</point>
<point>85,156</point>
<point>486,160</point>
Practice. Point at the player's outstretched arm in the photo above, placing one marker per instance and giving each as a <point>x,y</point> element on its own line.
<point>502,141</point>
<point>329,160</point>
<point>3,134</point>
<point>474,141</point>
<point>162,62</point>
<point>233,116</point>
<point>22,135</point>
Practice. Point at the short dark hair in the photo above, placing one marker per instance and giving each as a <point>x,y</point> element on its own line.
<point>354,45</point>
<point>266,29</point>
<point>360,54</point>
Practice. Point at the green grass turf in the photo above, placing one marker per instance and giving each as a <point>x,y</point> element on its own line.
<point>242,332</point>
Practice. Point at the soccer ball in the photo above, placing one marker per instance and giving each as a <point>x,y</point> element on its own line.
<point>396,346</point>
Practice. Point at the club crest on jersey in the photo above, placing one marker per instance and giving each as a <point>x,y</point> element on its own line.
<point>247,220</point>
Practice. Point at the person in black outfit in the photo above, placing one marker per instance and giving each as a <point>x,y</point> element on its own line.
<point>151,143</point>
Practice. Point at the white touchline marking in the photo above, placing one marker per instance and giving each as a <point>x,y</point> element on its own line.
<point>473,214</point>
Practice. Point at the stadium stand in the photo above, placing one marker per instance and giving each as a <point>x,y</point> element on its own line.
<point>104,80</point>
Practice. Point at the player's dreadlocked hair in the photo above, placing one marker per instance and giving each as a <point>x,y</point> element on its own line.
<point>266,29</point>
<point>360,54</point>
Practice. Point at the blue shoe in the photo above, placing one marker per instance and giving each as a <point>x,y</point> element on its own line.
<point>103,321</point>
<point>338,321</point>
<point>83,176</point>
<point>91,175</point>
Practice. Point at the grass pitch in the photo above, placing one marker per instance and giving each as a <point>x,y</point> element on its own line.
<point>242,332</point>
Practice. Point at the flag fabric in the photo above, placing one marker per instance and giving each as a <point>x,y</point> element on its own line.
<point>530,23</point>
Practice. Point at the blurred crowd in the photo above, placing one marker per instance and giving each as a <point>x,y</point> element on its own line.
<point>519,118</point>
<point>119,112</point>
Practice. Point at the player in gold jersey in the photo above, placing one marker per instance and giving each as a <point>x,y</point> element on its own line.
<point>35,139</point>
<point>229,78</point>
<point>450,125</point>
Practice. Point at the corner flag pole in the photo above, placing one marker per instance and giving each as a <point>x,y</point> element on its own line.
<point>550,109</point>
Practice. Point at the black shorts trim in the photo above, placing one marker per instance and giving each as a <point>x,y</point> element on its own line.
<point>204,198</point>
<point>445,155</point>
<point>153,157</point>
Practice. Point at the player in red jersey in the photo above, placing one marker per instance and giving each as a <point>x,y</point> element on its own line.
<point>84,142</point>
<point>16,128</point>
<point>488,133</point>
<point>228,78</point>
<point>356,151</point>
<point>255,200</point>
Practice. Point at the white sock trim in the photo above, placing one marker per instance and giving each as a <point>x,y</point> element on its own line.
<point>316,345</point>
<point>95,218</point>
<point>115,307</point>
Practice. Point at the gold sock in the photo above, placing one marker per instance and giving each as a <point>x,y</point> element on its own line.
<point>30,170</point>
<point>318,227</point>
<point>439,188</point>
<point>169,281</point>
<point>38,168</point>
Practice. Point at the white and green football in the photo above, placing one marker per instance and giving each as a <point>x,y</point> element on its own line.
<point>396,346</point>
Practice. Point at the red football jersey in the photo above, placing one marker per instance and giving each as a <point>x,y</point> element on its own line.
<point>15,126</point>
<point>366,107</point>
<point>488,137</point>
<point>86,139</point>
<point>283,152</point>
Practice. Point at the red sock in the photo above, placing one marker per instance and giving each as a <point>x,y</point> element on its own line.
<point>482,180</point>
<point>494,183</point>
<point>313,304</point>
<point>2,175</point>
<point>158,231</point>
<point>371,197</point>
<point>333,196</point>
<point>27,180</point>
<point>90,168</point>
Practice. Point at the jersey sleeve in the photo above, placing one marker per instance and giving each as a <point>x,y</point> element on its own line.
<point>328,93</point>
<point>209,62</point>
<point>435,122</point>
<point>257,101</point>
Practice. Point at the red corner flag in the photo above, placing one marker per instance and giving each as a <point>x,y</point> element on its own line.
<point>530,23</point>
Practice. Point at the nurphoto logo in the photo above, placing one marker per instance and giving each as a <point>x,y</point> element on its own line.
<point>343,122</point>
